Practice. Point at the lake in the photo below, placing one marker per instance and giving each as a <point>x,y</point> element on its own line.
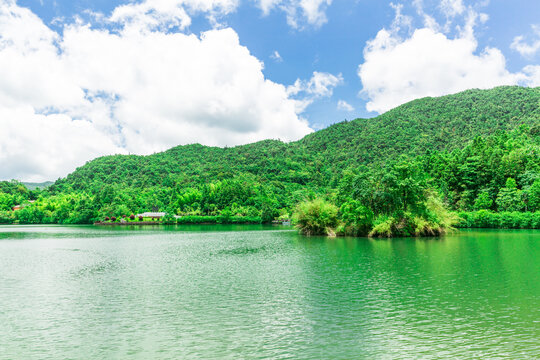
<point>254,292</point>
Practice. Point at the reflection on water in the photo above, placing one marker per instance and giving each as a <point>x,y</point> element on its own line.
<point>244,250</point>
<point>265,292</point>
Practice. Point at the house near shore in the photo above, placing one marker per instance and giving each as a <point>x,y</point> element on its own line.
<point>154,215</point>
<point>19,207</point>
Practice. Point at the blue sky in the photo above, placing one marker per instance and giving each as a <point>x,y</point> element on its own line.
<point>193,74</point>
<point>334,47</point>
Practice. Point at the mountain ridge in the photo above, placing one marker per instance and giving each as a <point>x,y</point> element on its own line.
<point>432,123</point>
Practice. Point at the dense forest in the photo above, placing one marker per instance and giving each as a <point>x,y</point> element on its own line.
<point>469,159</point>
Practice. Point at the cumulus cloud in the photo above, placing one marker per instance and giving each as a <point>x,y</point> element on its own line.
<point>68,97</point>
<point>320,85</point>
<point>527,49</point>
<point>36,147</point>
<point>344,106</point>
<point>427,61</point>
<point>300,13</point>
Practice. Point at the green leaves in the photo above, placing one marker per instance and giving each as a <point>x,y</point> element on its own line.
<point>316,217</point>
<point>483,201</point>
<point>357,219</point>
<point>509,197</point>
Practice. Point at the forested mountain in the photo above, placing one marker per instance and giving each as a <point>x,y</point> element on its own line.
<point>479,149</point>
<point>445,123</point>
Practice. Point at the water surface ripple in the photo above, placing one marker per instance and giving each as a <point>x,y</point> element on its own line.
<point>248,292</point>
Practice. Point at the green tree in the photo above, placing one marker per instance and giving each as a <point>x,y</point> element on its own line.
<point>534,196</point>
<point>169,219</point>
<point>357,220</point>
<point>269,212</point>
<point>509,197</point>
<point>483,201</point>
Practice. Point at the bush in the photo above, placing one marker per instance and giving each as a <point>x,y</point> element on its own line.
<point>107,218</point>
<point>214,219</point>
<point>141,218</point>
<point>169,219</point>
<point>113,219</point>
<point>502,220</point>
<point>316,217</point>
<point>535,220</point>
<point>268,213</point>
<point>6,217</point>
<point>356,219</point>
<point>384,226</point>
<point>403,225</point>
<point>435,220</point>
<point>132,217</point>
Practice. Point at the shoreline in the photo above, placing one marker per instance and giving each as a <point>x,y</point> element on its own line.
<point>100,223</point>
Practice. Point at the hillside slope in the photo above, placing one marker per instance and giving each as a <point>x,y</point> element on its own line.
<point>444,123</point>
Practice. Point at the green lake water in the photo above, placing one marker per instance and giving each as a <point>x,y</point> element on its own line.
<point>252,292</point>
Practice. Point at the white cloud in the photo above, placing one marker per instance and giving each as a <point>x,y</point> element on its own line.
<point>299,12</point>
<point>527,49</point>
<point>452,8</point>
<point>276,56</point>
<point>429,21</point>
<point>345,106</point>
<point>37,147</point>
<point>152,14</point>
<point>166,14</point>
<point>320,85</point>
<point>428,62</point>
<point>67,98</point>
<point>400,20</point>
<point>533,75</point>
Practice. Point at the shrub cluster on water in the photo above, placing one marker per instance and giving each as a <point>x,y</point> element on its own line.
<point>395,201</point>
<point>320,217</point>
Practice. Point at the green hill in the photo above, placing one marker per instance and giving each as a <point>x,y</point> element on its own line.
<point>443,123</point>
<point>428,124</point>
<point>464,147</point>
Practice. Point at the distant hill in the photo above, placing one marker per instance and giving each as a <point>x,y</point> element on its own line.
<point>415,128</point>
<point>34,186</point>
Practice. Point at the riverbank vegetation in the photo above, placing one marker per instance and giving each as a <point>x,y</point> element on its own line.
<point>463,160</point>
<point>499,220</point>
<point>393,201</point>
